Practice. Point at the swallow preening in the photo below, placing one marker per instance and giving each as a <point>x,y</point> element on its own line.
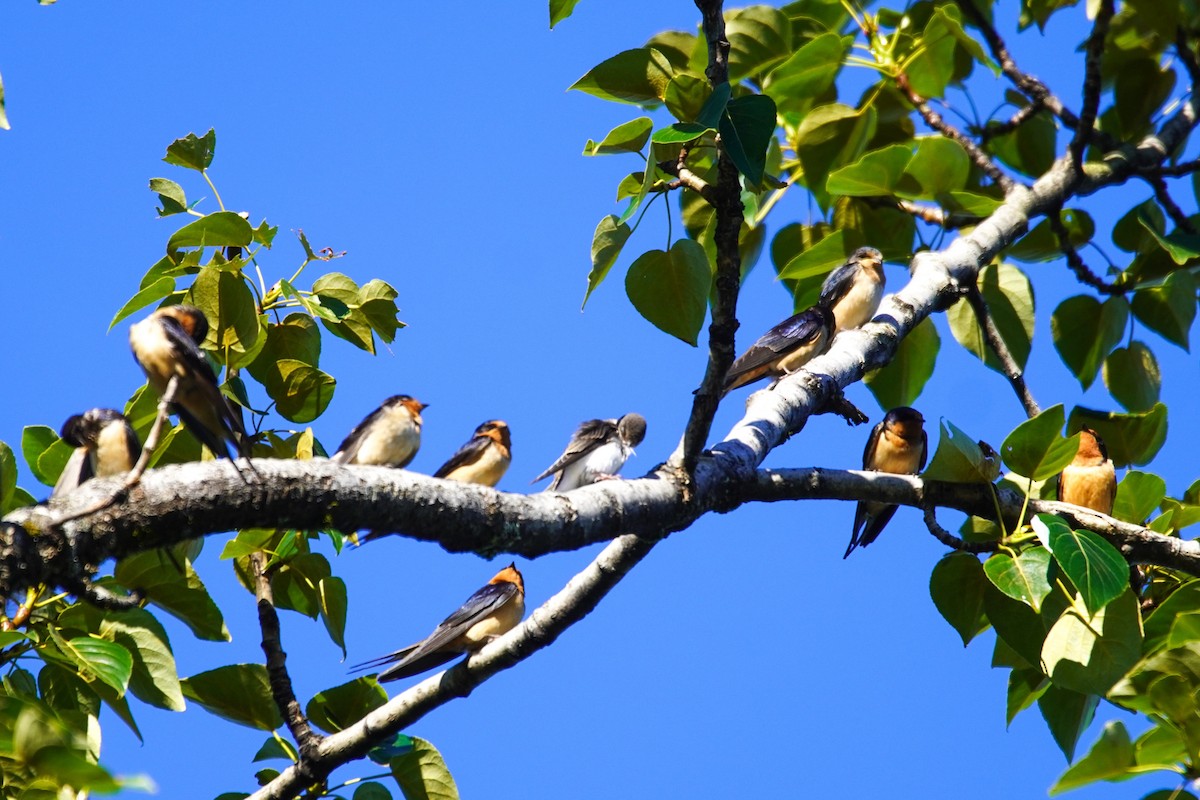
<point>488,614</point>
<point>167,345</point>
<point>104,443</point>
<point>1090,480</point>
<point>597,451</point>
<point>483,459</point>
<point>849,298</point>
<point>389,436</point>
<point>898,444</point>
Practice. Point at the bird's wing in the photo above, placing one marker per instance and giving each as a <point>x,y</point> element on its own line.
<point>469,453</point>
<point>792,332</point>
<point>351,444</point>
<point>924,450</point>
<point>838,283</point>
<point>77,470</point>
<point>872,443</point>
<point>192,358</point>
<point>479,606</point>
<point>587,437</point>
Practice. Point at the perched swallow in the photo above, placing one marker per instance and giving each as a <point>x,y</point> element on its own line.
<point>597,451</point>
<point>898,445</point>
<point>491,612</point>
<point>853,290</point>
<point>167,345</point>
<point>104,443</point>
<point>483,459</point>
<point>784,349</point>
<point>389,437</point>
<point>1090,479</point>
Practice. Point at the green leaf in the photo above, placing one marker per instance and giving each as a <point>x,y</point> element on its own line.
<point>1025,686</point>
<point>938,167</point>
<point>154,679</point>
<point>1182,247</point>
<point>377,303</point>
<point>171,195</point>
<point>296,338</point>
<point>877,173</point>
<point>679,133</point>
<point>808,73</point>
<point>304,392</point>
<point>1132,377</point>
<point>1031,148</point>
<point>638,76</point>
<point>372,791</point>
<point>235,330</point>
<point>192,152</point>
<point>1036,447</point>
<point>1168,309</point>
<point>1111,758</point>
<point>900,381</point>
<point>240,693</point>
<point>687,96</point>
<point>1184,600</point>
<point>1160,748</point>
<point>422,773</point>
<point>1068,714</point>
<point>559,10</point>
<point>106,661</point>
<point>1024,578</point>
<point>1041,243</point>
<point>8,478</point>
<point>276,748</point>
<point>759,37</point>
<point>670,289</point>
<point>46,454</point>
<point>830,136</point>
<point>338,708</point>
<point>607,242</point>
<point>956,586</point>
<point>1129,438</point>
<point>150,294</point>
<point>1090,655</point>
<point>1094,566</point>
<point>811,266</point>
<point>715,105</point>
<point>1009,298</point>
<point>629,137</point>
<point>168,580</point>
<point>746,129</point>
<point>1138,495</point>
<point>331,593</point>
<point>219,229</point>
<point>958,458</point>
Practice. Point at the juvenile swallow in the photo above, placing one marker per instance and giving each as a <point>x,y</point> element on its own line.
<point>853,290</point>
<point>104,443</point>
<point>898,444</point>
<point>784,349</point>
<point>597,450</point>
<point>491,612</point>
<point>389,437</point>
<point>167,345</point>
<point>483,459</point>
<point>1090,479</point>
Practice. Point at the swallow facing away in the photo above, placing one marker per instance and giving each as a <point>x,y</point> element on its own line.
<point>488,614</point>
<point>167,345</point>
<point>898,444</point>
<point>784,349</point>
<point>104,443</point>
<point>389,437</point>
<point>853,290</point>
<point>597,451</point>
<point>1090,479</point>
<point>483,459</point>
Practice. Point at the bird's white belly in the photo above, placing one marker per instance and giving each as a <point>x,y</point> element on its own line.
<point>607,459</point>
<point>859,305</point>
<point>389,444</point>
<point>112,452</point>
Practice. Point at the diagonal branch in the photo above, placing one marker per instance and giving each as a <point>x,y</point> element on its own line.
<point>1018,119</point>
<point>999,348</point>
<point>1091,83</point>
<point>1163,195</point>
<point>1075,261</point>
<point>955,542</point>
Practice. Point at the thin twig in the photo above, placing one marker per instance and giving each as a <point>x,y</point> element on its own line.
<point>934,120</point>
<point>688,178</point>
<point>1075,261</point>
<point>934,215</point>
<point>1091,84</point>
<point>954,542</point>
<point>1163,195</point>
<point>307,740</point>
<point>996,343</point>
<point>1175,170</point>
<point>1023,115</point>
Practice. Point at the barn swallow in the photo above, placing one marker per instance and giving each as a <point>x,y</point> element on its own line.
<point>488,614</point>
<point>167,345</point>
<point>853,290</point>
<point>597,451</point>
<point>104,443</point>
<point>389,437</point>
<point>784,349</point>
<point>898,444</point>
<point>483,459</point>
<point>1090,479</point>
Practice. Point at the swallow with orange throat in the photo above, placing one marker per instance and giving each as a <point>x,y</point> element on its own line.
<point>104,443</point>
<point>488,614</point>
<point>597,451</point>
<point>167,345</point>
<point>853,290</point>
<point>483,459</point>
<point>1090,480</point>
<point>784,349</point>
<point>898,444</point>
<point>389,436</point>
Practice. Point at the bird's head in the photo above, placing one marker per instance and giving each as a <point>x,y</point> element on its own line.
<point>190,318</point>
<point>632,429</point>
<point>497,430</point>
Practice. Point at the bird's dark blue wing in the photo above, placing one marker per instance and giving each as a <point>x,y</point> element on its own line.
<point>837,283</point>
<point>469,453</point>
<point>350,445</point>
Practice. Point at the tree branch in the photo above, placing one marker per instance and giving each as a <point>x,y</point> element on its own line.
<point>1091,84</point>
<point>1018,119</point>
<point>574,602</point>
<point>1075,261</point>
<point>689,179</point>
<point>996,343</point>
<point>954,542</point>
<point>934,215</point>
<point>1163,195</point>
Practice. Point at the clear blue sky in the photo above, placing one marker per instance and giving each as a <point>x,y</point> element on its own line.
<point>436,144</point>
